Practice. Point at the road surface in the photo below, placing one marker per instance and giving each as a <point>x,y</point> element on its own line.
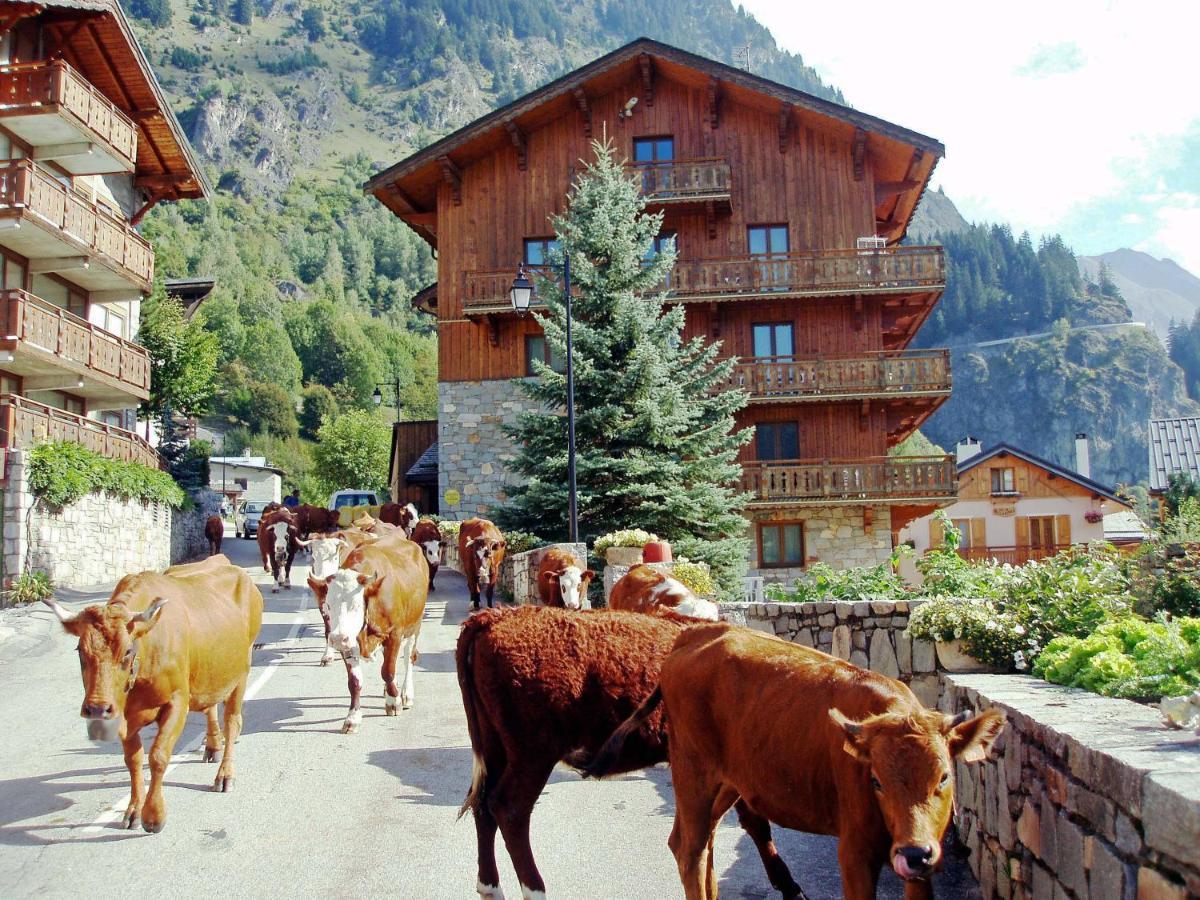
<point>316,813</point>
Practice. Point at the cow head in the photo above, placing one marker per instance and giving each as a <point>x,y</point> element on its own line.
<point>487,558</point>
<point>408,519</point>
<point>909,763</point>
<point>433,552</point>
<point>281,535</point>
<point>347,598</point>
<point>326,555</point>
<point>572,585</point>
<point>108,659</point>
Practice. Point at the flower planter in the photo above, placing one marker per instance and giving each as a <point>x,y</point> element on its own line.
<point>953,658</point>
<point>657,551</point>
<point>623,556</point>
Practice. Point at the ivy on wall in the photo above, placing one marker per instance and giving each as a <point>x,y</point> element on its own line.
<point>62,472</point>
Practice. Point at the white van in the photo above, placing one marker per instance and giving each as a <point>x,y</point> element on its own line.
<point>338,499</point>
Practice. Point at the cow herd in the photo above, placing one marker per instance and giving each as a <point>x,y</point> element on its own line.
<point>782,733</point>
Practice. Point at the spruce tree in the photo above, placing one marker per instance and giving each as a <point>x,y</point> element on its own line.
<point>656,439</point>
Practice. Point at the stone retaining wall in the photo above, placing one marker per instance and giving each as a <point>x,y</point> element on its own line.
<point>1085,797</point>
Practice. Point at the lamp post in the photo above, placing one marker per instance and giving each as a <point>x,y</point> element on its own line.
<point>522,294</point>
<point>377,397</point>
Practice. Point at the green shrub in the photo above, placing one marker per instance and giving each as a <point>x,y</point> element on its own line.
<point>62,472</point>
<point>30,587</point>
<point>521,541</point>
<point>822,582</point>
<point>696,577</point>
<point>988,634</point>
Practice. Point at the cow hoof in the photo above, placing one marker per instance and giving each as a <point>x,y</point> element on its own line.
<point>223,784</point>
<point>406,702</point>
<point>130,820</point>
<point>349,727</point>
<point>391,710</point>
<point>210,754</point>
<point>153,827</point>
<point>325,660</point>
<point>275,590</point>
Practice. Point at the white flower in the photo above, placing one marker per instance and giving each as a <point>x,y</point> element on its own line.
<point>958,634</point>
<point>1019,629</point>
<point>991,625</point>
<point>1019,659</point>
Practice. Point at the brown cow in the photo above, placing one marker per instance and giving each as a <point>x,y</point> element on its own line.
<point>315,520</point>
<point>563,579</point>
<point>644,587</point>
<point>377,597</point>
<point>163,645</point>
<point>214,531</point>
<point>404,517</point>
<point>278,541</point>
<point>544,685</point>
<point>480,552</point>
<point>429,536</point>
<point>859,757</point>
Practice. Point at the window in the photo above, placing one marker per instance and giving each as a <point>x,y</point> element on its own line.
<point>9,384</point>
<point>664,240</point>
<point>115,419</point>
<point>537,348</point>
<point>767,240</point>
<point>780,545</point>
<point>773,339</point>
<point>653,149</point>
<point>964,533</point>
<point>537,250</point>
<point>1003,481</point>
<point>1041,532</point>
<point>777,440</point>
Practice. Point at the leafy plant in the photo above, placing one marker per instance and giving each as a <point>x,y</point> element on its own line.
<point>29,587</point>
<point>61,472</point>
<point>352,451</point>
<point>822,582</point>
<point>521,541</point>
<point>449,528</point>
<point>626,537</point>
<point>696,577</point>
<point>988,634</point>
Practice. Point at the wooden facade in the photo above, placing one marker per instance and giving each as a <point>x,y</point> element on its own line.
<point>409,441</point>
<point>834,187</point>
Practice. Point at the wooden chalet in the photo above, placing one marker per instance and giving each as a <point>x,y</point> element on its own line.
<point>88,145</point>
<point>786,210</point>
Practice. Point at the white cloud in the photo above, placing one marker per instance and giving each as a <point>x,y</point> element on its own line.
<point>1103,117</point>
<point>1177,232</point>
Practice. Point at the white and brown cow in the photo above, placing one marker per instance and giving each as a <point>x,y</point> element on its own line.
<point>563,579</point>
<point>429,537</point>
<point>278,541</point>
<point>643,587</point>
<point>327,556</point>
<point>404,517</point>
<point>481,549</point>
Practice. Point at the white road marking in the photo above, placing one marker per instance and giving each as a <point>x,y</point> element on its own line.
<point>116,811</point>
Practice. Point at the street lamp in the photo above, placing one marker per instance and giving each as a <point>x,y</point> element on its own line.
<point>377,397</point>
<point>522,294</point>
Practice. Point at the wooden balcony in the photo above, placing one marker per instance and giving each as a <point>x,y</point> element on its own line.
<point>1014,556</point>
<point>52,348</point>
<point>895,270</point>
<point>24,424</point>
<point>898,479</point>
<point>54,109</point>
<point>685,183</point>
<point>900,374</point>
<point>60,231</point>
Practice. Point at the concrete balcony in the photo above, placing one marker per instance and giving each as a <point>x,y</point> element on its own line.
<point>59,231</point>
<point>24,424</point>
<point>55,110</point>
<point>910,480</point>
<point>53,349</point>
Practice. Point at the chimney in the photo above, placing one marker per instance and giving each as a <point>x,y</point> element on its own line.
<point>967,447</point>
<point>1083,459</point>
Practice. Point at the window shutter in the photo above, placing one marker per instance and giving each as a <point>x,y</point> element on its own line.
<point>1021,479</point>
<point>979,533</point>
<point>1022,531</point>
<point>935,534</point>
<point>1062,529</point>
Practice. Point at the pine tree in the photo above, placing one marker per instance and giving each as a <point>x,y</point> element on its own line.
<point>655,430</point>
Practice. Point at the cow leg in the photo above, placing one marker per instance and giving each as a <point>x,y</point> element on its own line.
<point>778,873</point>
<point>212,735</point>
<point>408,660</point>
<point>327,656</point>
<point>474,598</point>
<point>392,648</point>
<point>918,890</point>
<point>488,884</point>
<point>354,679</point>
<point>233,730</point>
<point>511,803</point>
<point>860,864</point>
<point>432,572</point>
<point>287,576</point>
<point>171,719</point>
<point>134,756</point>
<point>491,592</point>
<point>699,805</point>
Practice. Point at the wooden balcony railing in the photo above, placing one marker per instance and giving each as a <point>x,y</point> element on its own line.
<point>814,273</point>
<point>26,187</point>
<point>903,372</point>
<point>684,180</point>
<point>878,480</point>
<point>1014,556</point>
<point>25,424</point>
<point>24,87</point>
<point>30,319</point>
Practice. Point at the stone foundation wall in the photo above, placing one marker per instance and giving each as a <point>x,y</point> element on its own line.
<point>835,535</point>
<point>473,451</point>
<point>1085,796</point>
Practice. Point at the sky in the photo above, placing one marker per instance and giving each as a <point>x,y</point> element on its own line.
<point>1079,117</point>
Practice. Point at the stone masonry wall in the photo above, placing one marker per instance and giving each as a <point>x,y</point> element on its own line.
<point>473,451</point>
<point>835,535</point>
<point>1084,796</point>
<point>518,572</point>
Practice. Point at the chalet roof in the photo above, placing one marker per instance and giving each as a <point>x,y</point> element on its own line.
<point>1174,447</point>
<point>1053,468</point>
<point>411,179</point>
<point>425,469</point>
<point>1124,526</point>
<point>105,49</point>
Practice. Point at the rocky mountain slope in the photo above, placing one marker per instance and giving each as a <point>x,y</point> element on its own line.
<point>1158,291</point>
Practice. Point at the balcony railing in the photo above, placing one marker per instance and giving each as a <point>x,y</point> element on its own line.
<point>26,190</point>
<point>24,424</point>
<point>786,378</point>
<point>29,319</point>
<point>879,480</point>
<point>684,180</point>
<point>1014,556</point>
<point>38,90</point>
<point>813,273</point>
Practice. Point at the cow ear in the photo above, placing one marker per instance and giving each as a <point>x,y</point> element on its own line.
<point>500,545</point>
<point>971,740</point>
<point>855,742</point>
<point>588,575</point>
<point>147,618</point>
<point>549,576</point>
<point>329,579</point>
<point>369,580</point>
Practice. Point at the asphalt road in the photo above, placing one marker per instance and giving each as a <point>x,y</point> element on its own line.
<point>316,813</point>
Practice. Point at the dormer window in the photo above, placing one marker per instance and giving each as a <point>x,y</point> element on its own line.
<point>1003,481</point>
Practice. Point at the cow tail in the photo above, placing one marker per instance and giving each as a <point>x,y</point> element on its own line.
<point>471,630</point>
<point>606,759</point>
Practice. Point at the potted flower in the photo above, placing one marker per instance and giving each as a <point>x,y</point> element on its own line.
<point>623,548</point>
<point>1093,516</point>
<point>955,627</point>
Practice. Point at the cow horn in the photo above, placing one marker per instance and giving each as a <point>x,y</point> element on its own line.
<point>304,543</point>
<point>150,611</point>
<point>59,610</point>
<point>848,725</point>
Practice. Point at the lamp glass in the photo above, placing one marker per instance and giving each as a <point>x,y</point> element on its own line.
<point>522,292</point>
<point>377,397</point>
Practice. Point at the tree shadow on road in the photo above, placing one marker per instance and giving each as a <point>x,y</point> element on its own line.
<point>441,775</point>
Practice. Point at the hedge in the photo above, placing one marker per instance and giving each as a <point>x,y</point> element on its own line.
<point>61,472</point>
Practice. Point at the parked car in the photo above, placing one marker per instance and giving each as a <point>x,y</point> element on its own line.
<point>338,499</point>
<point>245,520</point>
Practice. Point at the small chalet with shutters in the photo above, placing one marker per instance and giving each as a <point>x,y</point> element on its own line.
<point>1014,507</point>
<point>786,212</point>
